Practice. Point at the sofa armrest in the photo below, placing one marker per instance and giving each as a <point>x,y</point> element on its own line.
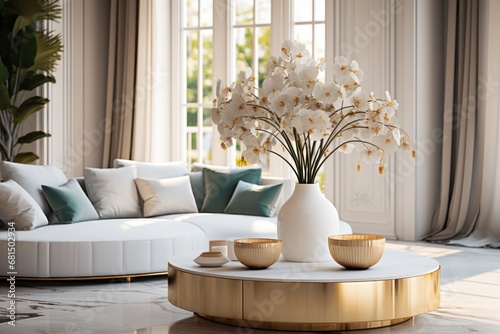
<point>286,190</point>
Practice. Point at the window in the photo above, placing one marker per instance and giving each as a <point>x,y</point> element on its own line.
<point>251,31</point>
<point>219,39</point>
<point>198,73</point>
<point>252,36</point>
<point>310,29</point>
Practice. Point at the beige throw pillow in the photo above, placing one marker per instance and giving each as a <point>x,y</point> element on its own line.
<point>17,206</point>
<point>166,196</point>
<point>112,191</point>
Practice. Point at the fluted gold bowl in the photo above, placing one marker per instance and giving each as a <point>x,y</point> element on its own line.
<point>257,253</point>
<point>356,251</point>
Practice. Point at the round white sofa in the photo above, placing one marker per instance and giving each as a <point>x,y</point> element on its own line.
<point>125,247</point>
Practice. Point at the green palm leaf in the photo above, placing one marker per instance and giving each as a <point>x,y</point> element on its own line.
<point>32,137</point>
<point>25,157</point>
<point>30,11</point>
<point>29,107</point>
<point>32,80</point>
<point>49,51</point>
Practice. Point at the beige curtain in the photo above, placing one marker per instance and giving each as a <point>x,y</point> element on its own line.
<point>128,107</point>
<point>458,218</point>
<point>121,81</point>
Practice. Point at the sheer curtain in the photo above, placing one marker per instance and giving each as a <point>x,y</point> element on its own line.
<point>465,213</point>
<point>137,117</point>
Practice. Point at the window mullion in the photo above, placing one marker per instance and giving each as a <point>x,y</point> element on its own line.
<point>199,98</point>
<point>222,62</point>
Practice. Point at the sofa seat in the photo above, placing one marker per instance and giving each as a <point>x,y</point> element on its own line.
<point>113,247</point>
<point>223,226</point>
<point>124,247</point>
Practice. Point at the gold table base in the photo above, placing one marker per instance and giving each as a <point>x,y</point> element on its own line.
<point>304,306</point>
<point>309,327</point>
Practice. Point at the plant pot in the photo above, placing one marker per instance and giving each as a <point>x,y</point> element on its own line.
<point>304,223</point>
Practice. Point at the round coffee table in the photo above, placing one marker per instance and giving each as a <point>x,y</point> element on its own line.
<point>307,296</point>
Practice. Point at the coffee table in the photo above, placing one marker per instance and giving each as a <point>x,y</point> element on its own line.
<point>307,296</point>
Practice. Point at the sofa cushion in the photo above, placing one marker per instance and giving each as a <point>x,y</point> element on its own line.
<point>112,191</point>
<point>165,196</point>
<point>155,170</point>
<point>219,186</point>
<point>31,178</point>
<point>69,203</point>
<point>252,199</point>
<point>16,205</point>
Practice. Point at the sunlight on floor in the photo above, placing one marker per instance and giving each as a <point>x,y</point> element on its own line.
<point>430,250</point>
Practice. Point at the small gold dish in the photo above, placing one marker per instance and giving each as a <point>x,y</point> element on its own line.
<point>356,251</point>
<point>257,253</point>
<point>211,259</point>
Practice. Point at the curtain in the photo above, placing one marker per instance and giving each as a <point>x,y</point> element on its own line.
<point>460,218</point>
<point>138,72</point>
<point>122,59</point>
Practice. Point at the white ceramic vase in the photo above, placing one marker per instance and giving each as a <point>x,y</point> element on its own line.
<point>304,223</point>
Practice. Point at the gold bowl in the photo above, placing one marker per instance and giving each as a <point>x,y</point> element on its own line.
<point>257,253</point>
<point>356,251</point>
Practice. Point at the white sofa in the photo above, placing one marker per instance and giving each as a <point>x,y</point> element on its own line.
<point>128,247</point>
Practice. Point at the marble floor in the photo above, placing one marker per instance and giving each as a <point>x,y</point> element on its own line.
<point>470,302</point>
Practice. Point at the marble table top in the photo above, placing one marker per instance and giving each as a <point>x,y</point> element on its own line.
<point>393,265</point>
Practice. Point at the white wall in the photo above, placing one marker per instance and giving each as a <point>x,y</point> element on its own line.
<point>75,115</point>
<point>400,46</point>
<point>429,75</point>
<point>420,60</point>
<point>365,31</point>
<point>489,114</point>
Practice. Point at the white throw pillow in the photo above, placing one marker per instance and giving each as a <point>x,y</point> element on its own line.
<point>166,196</point>
<point>16,205</point>
<point>31,178</point>
<point>112,191</point>
<point>155,170</point>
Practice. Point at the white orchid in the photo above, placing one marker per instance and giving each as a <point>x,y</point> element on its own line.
<point>328,93</point>
<point>308,119</point>
<point>271,88</point>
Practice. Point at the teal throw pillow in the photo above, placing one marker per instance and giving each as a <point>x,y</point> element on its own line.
<point>252,199</point>
<point>196,179</point>
<point>69,203</point>
<point>219,186</point>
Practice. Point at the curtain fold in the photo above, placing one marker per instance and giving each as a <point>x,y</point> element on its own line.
<point>458,217</point>
<point>144,90</point>
<point>136,80</point>
<point>122,60</point>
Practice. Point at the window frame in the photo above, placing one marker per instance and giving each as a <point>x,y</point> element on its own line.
<point>282,26</point>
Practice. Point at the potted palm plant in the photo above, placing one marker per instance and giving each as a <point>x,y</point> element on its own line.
<point>28,57</point>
